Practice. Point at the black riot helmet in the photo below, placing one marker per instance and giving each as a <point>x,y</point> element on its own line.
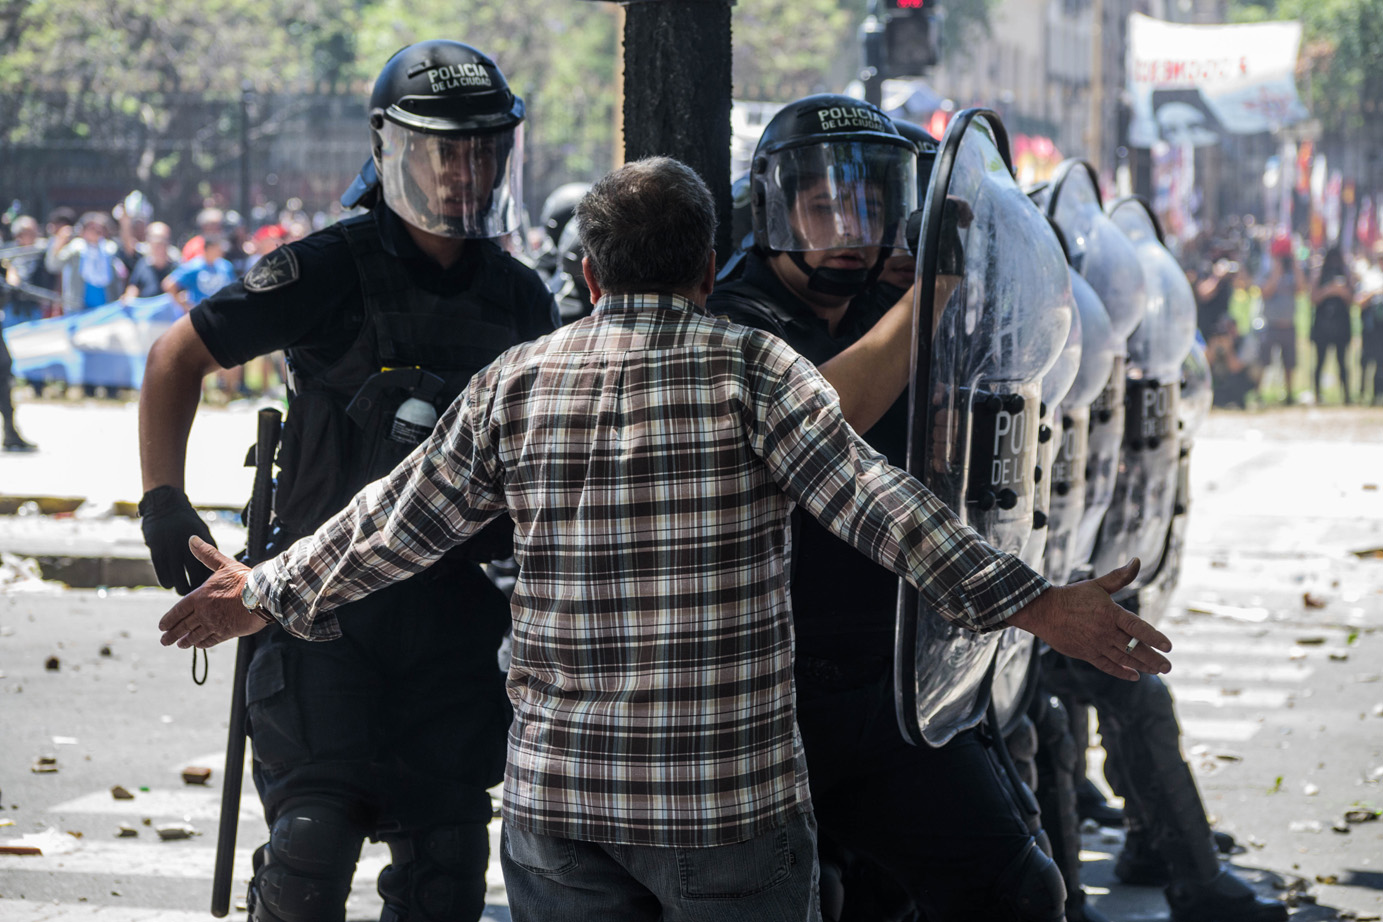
<point>927,148</point>
<point>559,207</point>
<point>445,137</point>
<point>831,172</point>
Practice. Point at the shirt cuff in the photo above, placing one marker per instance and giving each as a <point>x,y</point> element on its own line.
<point>274,588</point>
<point>997,589</point>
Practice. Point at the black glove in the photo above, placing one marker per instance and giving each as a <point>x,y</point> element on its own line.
<point>168,520</point>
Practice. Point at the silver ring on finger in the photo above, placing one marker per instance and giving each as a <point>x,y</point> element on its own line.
<point>1132,642</point>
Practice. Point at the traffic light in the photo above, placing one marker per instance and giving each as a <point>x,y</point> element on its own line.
<point>912,37</point>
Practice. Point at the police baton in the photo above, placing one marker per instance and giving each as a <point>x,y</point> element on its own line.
<point>261,458</point>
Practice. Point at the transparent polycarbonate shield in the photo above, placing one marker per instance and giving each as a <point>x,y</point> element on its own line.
<point>1141,511</point>
<point>994,310</point>
<point>1196,395</point>
<point>1192,409</point>
<point>1099,345</point>
<point>1105,257</point>
<point>1012,672</point>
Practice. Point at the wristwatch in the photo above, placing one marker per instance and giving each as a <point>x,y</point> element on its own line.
<point>250,599</point>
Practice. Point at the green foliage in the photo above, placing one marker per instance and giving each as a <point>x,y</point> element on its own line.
<point>1341,67</point>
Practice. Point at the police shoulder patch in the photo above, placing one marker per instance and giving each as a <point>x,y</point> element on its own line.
<point>275,270</point>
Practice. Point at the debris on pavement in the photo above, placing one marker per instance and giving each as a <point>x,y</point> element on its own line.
<point>175,831</point>
<point>1375,553</point>
<point>1312,641</point>
<point>1362,815</point>
<point>196,774</point>
<point>52,664</point>
<point>126,831</point>
<point>45,765</point>
<point>120,793</point>
<point>1253,615</point>
<point>1311,600</point>
<point>47,842</point>
<point>1305,826</point>
<point>1310,790</point>
<point>105,649</point>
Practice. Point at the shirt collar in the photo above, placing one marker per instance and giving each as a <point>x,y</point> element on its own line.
<point>627,303</point>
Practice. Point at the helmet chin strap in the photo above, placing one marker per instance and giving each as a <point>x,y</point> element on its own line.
<point>839,282</point>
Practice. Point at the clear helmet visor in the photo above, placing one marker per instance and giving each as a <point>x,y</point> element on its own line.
<point>838,195</point>
<point>453,186</point>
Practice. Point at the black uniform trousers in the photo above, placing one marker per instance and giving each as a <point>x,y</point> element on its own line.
<point>403,719</point>
<point>942,822</point>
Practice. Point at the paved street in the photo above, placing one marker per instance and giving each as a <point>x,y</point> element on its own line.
<point>1278,675</point>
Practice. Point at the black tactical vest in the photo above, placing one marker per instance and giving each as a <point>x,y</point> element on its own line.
<point>336,437</point>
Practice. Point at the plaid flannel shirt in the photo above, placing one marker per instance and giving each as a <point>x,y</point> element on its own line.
<point>649,456</point>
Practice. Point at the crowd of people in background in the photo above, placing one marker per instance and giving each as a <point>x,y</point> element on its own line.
<point>78,262</point>
<point>1264,296</point>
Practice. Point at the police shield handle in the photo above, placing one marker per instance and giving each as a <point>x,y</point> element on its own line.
<point>212,613</point>
<point>1083,621</point>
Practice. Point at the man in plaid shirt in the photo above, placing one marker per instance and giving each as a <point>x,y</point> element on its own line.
<point>650,456</point>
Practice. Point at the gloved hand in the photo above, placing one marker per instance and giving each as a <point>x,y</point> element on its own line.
<point>168,520</point>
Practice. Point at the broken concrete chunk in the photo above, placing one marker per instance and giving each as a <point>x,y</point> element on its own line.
<point>126,831</point>
<point>196,774</point>
<point>1361,815</point>
<point>1313,641</point>
<point>174,831</point>
<point>45,765</point>
<point>120,793</point>
<point>52,664</point>
<point>1311,600</point>
<point>105,649</point>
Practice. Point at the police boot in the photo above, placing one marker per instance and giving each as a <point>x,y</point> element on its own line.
<point>1091,805</point>
<point>1223,898</point>
<point>1139,864</point>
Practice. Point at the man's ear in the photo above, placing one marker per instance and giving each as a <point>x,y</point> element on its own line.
<point>591,283</point>
<point>708,281</point>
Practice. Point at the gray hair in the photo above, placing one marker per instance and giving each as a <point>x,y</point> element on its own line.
<point>648,226</point>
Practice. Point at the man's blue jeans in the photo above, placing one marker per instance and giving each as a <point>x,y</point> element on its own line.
<point>772,878</point>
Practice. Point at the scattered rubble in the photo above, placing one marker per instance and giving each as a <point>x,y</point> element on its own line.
<point>175,831</point>
<point>126,831</point>
<point>120,793</point>
<point>45,765</point>
<point>196,774</point>
<point>52,664</point>
<point>1311,600</point>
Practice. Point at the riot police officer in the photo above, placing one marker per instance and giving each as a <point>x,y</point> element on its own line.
<point>396,729</point>
<point>832,183</point>
<point>1170,841</point>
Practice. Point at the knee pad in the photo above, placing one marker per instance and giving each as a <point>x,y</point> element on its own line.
<point>303,873</point>
<point>1031,888</point>
<point>436,875</point>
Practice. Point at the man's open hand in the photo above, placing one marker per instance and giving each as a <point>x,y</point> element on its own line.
<point>213,612</point>
<point>1082,621</point>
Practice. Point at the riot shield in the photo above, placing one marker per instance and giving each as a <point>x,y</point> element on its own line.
<point>1145,493</point>
<point>993,312</point>
<point>1193,406</point>
<point>1099,347</point>
<point>1013,661</point>
<point>1105,257</point>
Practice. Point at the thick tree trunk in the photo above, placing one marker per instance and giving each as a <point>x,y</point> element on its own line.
<point>677,92</point>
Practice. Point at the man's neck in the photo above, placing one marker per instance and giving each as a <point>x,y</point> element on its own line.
<point>444,251</point>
